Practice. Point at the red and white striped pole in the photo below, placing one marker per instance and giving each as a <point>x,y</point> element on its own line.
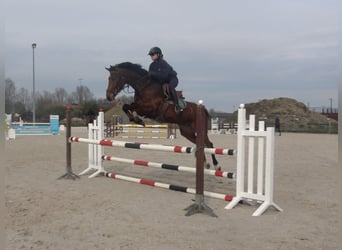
<point>225,197</point>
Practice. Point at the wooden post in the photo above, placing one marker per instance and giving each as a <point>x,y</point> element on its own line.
<point>199,206</point>
<point>69,174</point>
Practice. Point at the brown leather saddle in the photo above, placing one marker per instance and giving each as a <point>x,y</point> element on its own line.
<point>181,99</point>
<point>167,95</point>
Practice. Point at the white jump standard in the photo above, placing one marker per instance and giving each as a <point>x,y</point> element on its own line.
<point>265,164</point>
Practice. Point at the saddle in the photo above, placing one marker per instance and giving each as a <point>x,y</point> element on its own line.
<point>167,91</point>
<point>181,99</point>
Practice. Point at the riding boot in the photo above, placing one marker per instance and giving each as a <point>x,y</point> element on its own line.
<point>175,99</point>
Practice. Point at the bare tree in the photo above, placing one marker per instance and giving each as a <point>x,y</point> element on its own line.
<point>48,98</point>
<point>24,97</point>
<point>61,95</point>
<point>83,94</point>
<point>72,98</point>
<point>126,99</point>
<point>87,95</point>
<point>20,101</point>
<point>10,97</point>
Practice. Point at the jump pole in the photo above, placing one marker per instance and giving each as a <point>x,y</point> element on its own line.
<point>199,205</point>
<point>69,174</point>
<point>217,173</point>
<point>147,146</point>
<point>225,197</point>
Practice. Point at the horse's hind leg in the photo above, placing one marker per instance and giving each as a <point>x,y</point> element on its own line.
<point>129,110</point>
<point>209,144</point>
<point>189,133</point>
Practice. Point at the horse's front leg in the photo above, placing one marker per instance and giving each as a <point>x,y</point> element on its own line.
<point>129,110</point>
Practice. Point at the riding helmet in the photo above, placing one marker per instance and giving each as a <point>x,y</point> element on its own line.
<point>154,50</point>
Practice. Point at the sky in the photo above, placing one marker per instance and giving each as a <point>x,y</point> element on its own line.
<point>225,52</point>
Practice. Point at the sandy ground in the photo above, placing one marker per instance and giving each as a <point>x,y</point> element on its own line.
<point>102,213</point>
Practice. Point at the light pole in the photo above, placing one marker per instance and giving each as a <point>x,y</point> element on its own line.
<point>34,45</point>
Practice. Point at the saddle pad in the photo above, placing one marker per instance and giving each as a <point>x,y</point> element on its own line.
<point>181,102</point>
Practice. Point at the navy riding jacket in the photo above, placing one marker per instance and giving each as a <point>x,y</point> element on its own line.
<point>163,72</point>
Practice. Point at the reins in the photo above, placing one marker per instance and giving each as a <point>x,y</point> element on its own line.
<point>132,84</point>
<point>138,88</point>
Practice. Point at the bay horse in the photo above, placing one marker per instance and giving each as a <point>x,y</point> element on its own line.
<point>150,102</point>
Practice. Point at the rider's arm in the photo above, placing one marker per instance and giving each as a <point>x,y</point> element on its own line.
<point>160,70</point>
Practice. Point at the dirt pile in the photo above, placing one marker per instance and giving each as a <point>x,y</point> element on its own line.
<point>292,114</point>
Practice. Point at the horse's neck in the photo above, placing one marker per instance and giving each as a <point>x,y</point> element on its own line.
<point>140,85</point>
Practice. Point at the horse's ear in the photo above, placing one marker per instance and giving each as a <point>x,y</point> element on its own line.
<point>107,68</point>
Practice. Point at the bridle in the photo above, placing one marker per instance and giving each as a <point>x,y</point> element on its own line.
<point>126,86</point>
<point>118,82</point>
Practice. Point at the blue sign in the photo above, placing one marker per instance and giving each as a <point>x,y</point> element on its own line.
<point>54,124</point>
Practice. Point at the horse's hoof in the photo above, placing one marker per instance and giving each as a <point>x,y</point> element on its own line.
<point>137,120</point>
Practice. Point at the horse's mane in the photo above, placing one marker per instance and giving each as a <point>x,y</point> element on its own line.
<point>131,66</point>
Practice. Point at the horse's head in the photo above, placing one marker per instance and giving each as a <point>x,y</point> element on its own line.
<point>121,74</point>
<point>115,83</point>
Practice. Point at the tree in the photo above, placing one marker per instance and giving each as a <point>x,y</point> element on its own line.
<point>83,94</point>
<point>19,108</point>
<point>126,99</point>
<point>61,95</point>
<point>20,101</point>
<point>10,97</point>
<point>23,97</point>
<point>88,106</point>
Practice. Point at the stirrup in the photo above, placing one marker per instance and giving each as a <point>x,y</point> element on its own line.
<point>178,109</point>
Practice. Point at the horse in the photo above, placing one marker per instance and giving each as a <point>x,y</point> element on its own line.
<point>150,102</point>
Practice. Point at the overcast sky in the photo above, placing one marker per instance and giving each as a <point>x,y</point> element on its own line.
<point>225,52</point>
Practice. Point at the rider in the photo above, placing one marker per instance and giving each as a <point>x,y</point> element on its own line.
<point>164,73</point>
